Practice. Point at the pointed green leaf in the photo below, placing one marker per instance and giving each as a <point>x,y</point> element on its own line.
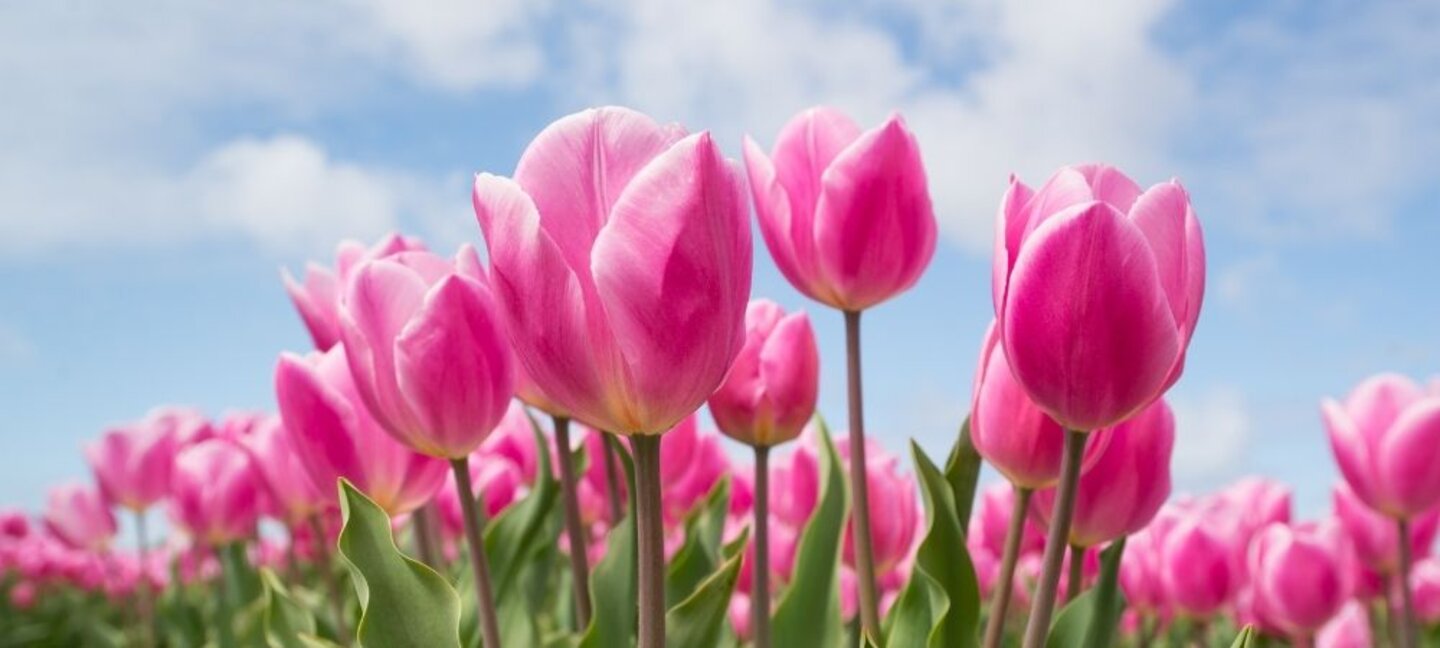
<point>962,472</point>
<point>698,557</point>
<point>940,606</point>
<point>285,620</point>
<point>513,535</point>
<point>809,610</point>
<point>403,602</point>
<point>1246,638</point>
<point>1090,620</point>
<point>613,589</point>
<point>699,620</point>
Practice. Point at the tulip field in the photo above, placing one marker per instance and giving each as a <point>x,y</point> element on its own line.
<point>584,429</point>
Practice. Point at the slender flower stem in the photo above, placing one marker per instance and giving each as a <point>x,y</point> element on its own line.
<point>1000,600</point>
<point>1076,580</point>
<point>225,603</point>
<point>1148,624</point>
<point>1055,544</point>
<point>474,525</point>
<point>1407,604</point>
<point>649,528</point>
<point>425,536</point>
<point>859,487</point>
<point>327,574</point>
<point>147,596</point>
<point>574,531</point>
<point>612,480</point>
<point>1388,620</point>
<point>760,574</point>
<point>1200,633</point>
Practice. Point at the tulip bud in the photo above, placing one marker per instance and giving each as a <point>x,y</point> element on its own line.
<point>216,494</point>
<point>769,394</point>
<point>1301,574</point>
<point>1386,438</point>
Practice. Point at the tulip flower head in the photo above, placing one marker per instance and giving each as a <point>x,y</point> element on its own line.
<point>1386,439</point>
<point>1301,574</point>
<point>1425,587</point>
<point>292,492</point>
<point>770,392</point>
<point>79,517</point>
<point>317,297</point>
<point>217,493</point>
<point>1375,536</point>
<point>132,464</point>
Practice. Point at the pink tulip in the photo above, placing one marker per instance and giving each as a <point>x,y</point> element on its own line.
<point>795,483</point>
<point>216,492</point>
<point>1196,569</point>
<point>1301,574</point>
<point>24,595</point>
<point>513,441</point>
<point>78,516</point>
<point>291,490</point>
<point>1257,501</point>
<point>593,488</point>
<point>335,436</point>
<point>769,394</point>
<point>1425,588</point>
<point>621,254</point>
<point>1386,438</point>
<point>895,515</point>
<point>428,352</point>
<point>992,522</point>
<point>186,425</point>
<point>496,484</point>
<point>1375,537</point>
<point>1011,432</point>
<point>1127,485</point>
<point>238,424</point>
<point>318,297</point>
<point>1142,569</point>
<point>132,465</point>
<point>1097,288</point>
<point>692,461</point>
<point>14,526</point>
<point>1349,629</point>
<point>846,214</point>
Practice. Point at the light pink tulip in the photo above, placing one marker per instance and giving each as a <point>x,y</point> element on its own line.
<point>292,491</point>
<point>79,516</point>
<point>991,523</point>
<point>692,461</point>
<point>1011,432</point>
<point>132,465</point>
<point>186,425</point>
<point>1097,288</point>
<point>318,297</point>
<point>1142,569</point>
<point>769,394</point>
<point>1197,567</point>
<point>1375,537</point>
<point>428,352</point>
<point>335,436</point>
<point>216,493</point>
<point>1257,502</point>
<point>895,515</point>
<point>1302,575</point>
<point>1127,485</point>
<point>1349,629</point>
<point>621,254</point>
<point>514,441</point>
<point>795,482</point>
<point>1425,588</point>
<point>1386,438</point>
<point>846,214</point>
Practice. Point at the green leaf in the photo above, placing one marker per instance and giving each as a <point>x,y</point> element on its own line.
<point>514,534</point>
<point>1089,621</point>
<point>700,555</point>
<point>699,620</point>
<point>940,606</point>
<point>613,589</point>
<point>285,620</point>
<point>962,472</point>
<point>403,602</point>
<point>809,610</point>
<point>1246,638</point>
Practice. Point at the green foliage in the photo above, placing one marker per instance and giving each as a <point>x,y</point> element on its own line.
<point>809,610</point>
<point>698,558</point>
<point>962,472</point>
<point>285,620</point>
<point>1246,638</point>
<point>1090,620</point>
<point>613,589</point>
<point>699,620</point>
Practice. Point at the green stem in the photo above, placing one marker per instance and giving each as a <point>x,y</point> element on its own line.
<point>421,524</point>
<point>480,564</point>
<point>1076,581</point>
<point>612,479</point>
<point>1407,604</point>
<point>760,574</point>
<point>859,486</point>
<point>651,535</point>
<point>1004,587</point>
<point>147,595</point>
<point>574,530</point>
<point>1043,605</point>
<point>225,603</point>
<point>327,575</point>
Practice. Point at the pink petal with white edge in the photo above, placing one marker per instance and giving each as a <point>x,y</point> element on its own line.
<point>789,236</point>
<point>1012,223</point>
<point>382,297</point>
<point>1408,456</point>
<point>805,148</point>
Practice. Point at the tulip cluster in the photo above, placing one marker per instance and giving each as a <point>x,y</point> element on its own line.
<point>509,447</point>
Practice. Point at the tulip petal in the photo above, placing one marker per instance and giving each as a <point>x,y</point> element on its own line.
<point>1008,233</point>
<point>790,370</point>
<point>1111,185</point>
<point>673,270</point>
<point>1352,453</point>
<point>317,419</point>
<point>805,148</point>
<point>382,297</point>
<point>1087,327</point>
<point>1408,457</point>
<point>788,235</point>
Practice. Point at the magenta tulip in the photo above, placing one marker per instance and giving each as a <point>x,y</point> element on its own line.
<point>621,253</point>
<point>428,352</point>
<point>895,514</point>
<point>1197,568</point>
<point>846,214</point>
<point>132,465</point>
<point>14,526</point>
<point>770,392</point>
<point>216,492</point>
<point>292,491</point>
<point>1386,438</point>
<point>317,298</point>
<point>335,436</point>
<point>1257,502</point>
<point>1375,537</point>
<point>1301,574</point>
<point>1097,290</point>
<point>1425,587</point>
<point>80,517</point>
<point>1349,629</point>
<point>1142,569</point>
<point>1127,485</point>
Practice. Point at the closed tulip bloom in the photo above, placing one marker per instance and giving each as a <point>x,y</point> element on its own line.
<point>1375,537</point>
<point>1097,288</point>
<point>1197,569</point>
<point>1301,574</point>
<point>621,254</point>
<point>428,352</point>
<point>292,492</point>
<point>1386,438</point>
<point>1349,629</point>
<point>335,436</point>
<point>1011,432</point>
<point>1258,501</point>
<point>216,493</point>
<point>79,516</point>
<point>132,465</point>
<point>1425,586</point>
<point>769,394</point>
<point>846,214</point>
<point>1127,485</point>
<point>317,296</point>
<point>1142,570</point>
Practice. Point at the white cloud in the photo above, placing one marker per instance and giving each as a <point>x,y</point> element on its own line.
<point>463,44</point>
<point>1212,432</point>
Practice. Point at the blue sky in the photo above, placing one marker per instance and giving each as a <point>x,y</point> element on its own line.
<point>162,160</point>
